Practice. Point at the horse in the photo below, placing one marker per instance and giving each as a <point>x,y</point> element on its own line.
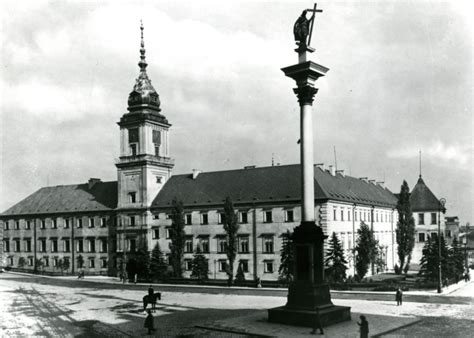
<point>151,299</point>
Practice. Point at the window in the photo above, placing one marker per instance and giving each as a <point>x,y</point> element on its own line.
<point>245,265</point>
<point>28,245</point>
<point>243,244</point>
<point>156,233</point>
<point>205,244</point>
<point>103,245</point>
<point>54,245</point>
<point>6,245</point>
<point>91,263</point>
<point>159,179</point>
<point>168,233</point>
<point>157,141</point>
<point>348,215</point>
<point>421,237</point>
<point>220,218</point>
<point>268,266</point>
<point>28,225</point>
<point>448,233</point>
<point>157,151</point>
<point>133,135</point>
<point>30,261</point>
<point>244,217</point>
<point>132,197</point>
<point>267,216</point>
<point>204,219</point>
<point>132,221</point>
<point>377,217</point>
<point>66,245</point>
<point>45,261</point>
<point>268,244</point>
<point>189,219</point>
<point>91,222</point>
<point>355,216</point>
<point>103,222</point>
<point>91,244</point>
<point>55,261</point>
<point>79,245</point>
<point>17,225</point>
<point>6,225</point>
<point>133,149</point>
<point>188,245</point>
<point>54,224</point>
<point>334,215</point>
<point>433,218</point>
<point>188,264</point>
<point>17,245</point>
<point>289,216</point>
<point>132,245</point>
<point>66,223</point>
<point>103,263</point>
<point>221,244</point>
<point>222,265</point>
<point>79,222</point>
<point>342,215</point>
<point>43,224</point>
<point>421,219</point>
<point>156,216</point>
<point>434,235</point>
<point>10,260</point>
<point>42,245</point>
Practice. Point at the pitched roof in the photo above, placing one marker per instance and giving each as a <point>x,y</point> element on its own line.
<point>67,198</point>
<point>268,184</point>
<point>422,199</point>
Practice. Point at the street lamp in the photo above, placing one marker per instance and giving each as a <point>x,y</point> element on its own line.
<point>442,202</point>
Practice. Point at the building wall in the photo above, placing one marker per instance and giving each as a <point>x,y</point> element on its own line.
<point>94,230</point>
<point>425,226</point>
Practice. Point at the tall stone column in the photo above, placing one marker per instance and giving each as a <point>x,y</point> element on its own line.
<point>308,294</point>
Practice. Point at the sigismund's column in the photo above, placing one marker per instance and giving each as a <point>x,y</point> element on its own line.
<point>308,293</point>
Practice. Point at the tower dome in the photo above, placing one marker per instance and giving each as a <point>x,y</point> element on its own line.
<point>143,94</point>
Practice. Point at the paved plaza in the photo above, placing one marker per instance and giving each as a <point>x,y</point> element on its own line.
<point>98,307</point>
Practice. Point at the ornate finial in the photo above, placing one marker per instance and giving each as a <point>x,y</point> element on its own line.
<point>142,64</point>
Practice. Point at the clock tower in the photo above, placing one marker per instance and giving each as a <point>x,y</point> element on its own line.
<point>144,164</point>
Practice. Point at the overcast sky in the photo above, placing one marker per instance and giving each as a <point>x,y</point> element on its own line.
<point>400,81</point>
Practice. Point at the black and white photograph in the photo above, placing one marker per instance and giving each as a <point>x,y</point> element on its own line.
<point>266,168</point>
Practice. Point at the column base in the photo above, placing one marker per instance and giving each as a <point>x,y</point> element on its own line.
<point>328,315</point>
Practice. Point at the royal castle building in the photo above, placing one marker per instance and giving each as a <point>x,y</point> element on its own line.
<point>92,225</point>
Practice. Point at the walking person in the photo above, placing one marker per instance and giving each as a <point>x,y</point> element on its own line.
<point>363,327</point>
<point>317,323</point>
<point>149,322</point>
<point>399,296</point>
<point>135,278</point>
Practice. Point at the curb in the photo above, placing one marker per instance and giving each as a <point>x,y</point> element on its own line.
<point>397,328</point>
<point>210,328</point>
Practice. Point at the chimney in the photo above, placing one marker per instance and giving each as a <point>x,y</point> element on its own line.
<point>364,179</point>
<point>372,181</point>
<point>320,165</point>
<point>341,172</point>
<point>332,170</point>
<point>93,181</point>
<point>382,184</point>
<point>196,172</point>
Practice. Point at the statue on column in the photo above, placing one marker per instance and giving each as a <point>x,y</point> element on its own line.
<point>301,28</point>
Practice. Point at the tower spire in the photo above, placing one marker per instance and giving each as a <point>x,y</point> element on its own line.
<point>420,163</point>
<point>142,64</point>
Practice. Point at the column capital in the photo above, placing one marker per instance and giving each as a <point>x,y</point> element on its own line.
<point>305,94</point>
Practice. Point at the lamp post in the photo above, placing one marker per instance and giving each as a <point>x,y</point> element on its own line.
<point>442,202</point>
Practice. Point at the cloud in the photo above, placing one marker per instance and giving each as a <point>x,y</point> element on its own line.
<point>455,155</point>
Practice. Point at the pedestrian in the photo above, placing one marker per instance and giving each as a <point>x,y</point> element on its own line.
<point>317,323</point>
<point>135,278</point>
<point>363,327</point>
<point>259,282</point>
<point>399,296</point>
<point>149,322</point>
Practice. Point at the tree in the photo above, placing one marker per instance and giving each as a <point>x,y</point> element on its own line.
<point>39,264</point>
<point>366,250</point>
<point>80,261</point>
<point>142,262</point>
<point>21,262</point>
<point>287,258</point>
<point>429,268</point>
<point>66,264</point>
<point>177,237</point>
<point>457,259</point>
<point>335,261</point>
<point>240,276</point>
<point>158,265</point>
<point>405,232</point>
<point>231,227</point>
<point>200,265</point>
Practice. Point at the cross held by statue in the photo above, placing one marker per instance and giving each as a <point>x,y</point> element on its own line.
<point>303,28</point>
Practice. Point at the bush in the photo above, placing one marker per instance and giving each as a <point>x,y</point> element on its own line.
<point>397,269</point>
